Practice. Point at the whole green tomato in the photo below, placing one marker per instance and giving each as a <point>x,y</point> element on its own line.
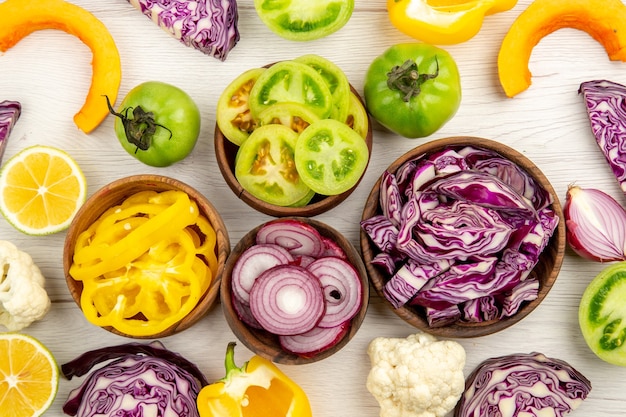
<point>413,89</point>
<point>157,123</point>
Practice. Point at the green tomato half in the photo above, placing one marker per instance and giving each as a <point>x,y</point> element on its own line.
<point>602,314</point>
<point>413,89</point>
<point>157,123</point>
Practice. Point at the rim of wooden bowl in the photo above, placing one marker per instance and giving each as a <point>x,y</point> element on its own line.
<point>547,269</point>
<point>114,193</point>
<point>262,342</point>
<point>225,152</point>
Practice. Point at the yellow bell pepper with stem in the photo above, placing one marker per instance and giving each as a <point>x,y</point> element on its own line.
<point>256,389</point>
<point>443,22</point>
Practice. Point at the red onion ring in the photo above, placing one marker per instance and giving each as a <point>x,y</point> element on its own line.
<point>287,300</point>
<point>342,289</point>
<point>314,341</point>
<point>252,262</point>
<point>297,237</point>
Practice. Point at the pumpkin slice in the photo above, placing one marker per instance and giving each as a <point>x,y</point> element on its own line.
<point>19,18</point>
<point>603,20</point>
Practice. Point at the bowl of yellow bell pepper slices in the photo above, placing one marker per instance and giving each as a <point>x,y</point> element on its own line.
<point>143,258</point>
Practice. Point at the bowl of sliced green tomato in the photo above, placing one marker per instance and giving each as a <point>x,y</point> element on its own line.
<point>292,138</point>
<point>144,256</point>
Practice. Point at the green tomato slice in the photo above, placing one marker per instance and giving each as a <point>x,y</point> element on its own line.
<point>233,112</point>
<point>291,82</point>
<point>264,166</point>
<point>357,116</point>
<point>336,80</point>
<point>602,314</point>
<point>330,157</point>
<point>293,115</point>
<point>304,20</point>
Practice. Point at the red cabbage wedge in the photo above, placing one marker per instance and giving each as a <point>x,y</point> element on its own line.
<point>9,113</point>
<point>522,384</point>
<point>209,26</point>
<point>606,107</point>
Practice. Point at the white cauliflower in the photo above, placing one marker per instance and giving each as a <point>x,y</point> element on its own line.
<point>416,376</point>
<point>23,298</point>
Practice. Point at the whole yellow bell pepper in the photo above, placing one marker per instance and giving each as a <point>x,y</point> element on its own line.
<point>256,389</point>
<point>443,21</point>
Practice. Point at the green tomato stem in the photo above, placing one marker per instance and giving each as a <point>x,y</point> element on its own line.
<point>140,128</point>
<point>407,79</point>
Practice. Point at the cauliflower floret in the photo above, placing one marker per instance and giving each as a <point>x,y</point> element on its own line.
<point>23,298</point>
<point>416,376</point>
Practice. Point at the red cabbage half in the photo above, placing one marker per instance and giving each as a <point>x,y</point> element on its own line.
<point>606,107</point>
<point>207,25</point>
<point>139,380</point>
<point>522,384</point>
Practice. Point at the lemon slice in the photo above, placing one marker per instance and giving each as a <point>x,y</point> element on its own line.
<point>41,189</point>
<point>29,376</point>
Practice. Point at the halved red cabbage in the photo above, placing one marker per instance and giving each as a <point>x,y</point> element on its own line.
<point>463,205</point>
<point>605,102</point>
<point>140,380</point>
<point>209,26</point>
<point>9,113</point>
<point>522,384</point>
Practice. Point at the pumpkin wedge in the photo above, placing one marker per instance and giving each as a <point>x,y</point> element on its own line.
<point>603,20</point>
<point>19,18</point>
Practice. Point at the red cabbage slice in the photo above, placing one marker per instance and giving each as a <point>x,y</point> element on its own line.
<point>209,26</point>
<point>442,317</point>
<point>138,378</point>
<point>9,113</point>
<point>410,278</point>
<point>448,161</point>
<point>524,291</point>
<point>390,198</point>
<point>382,232</point>
<point>606,108</point>
<point>522,384</point>
<point>480,309</point>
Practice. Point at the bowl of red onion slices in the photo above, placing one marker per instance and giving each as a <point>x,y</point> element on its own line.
<point>294,290</point>
<point>462,236</point>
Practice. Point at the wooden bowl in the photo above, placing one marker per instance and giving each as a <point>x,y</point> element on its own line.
<point>266,344</point>
<point>545,271</point>
<point>113,194</point>
<point>225,152</point>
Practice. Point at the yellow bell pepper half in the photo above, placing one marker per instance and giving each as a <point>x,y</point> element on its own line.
<point>256,389</point>
<point>443,22</point>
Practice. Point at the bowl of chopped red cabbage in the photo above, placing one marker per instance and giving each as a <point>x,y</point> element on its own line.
<point>462,236</point>
<point>294,290</point>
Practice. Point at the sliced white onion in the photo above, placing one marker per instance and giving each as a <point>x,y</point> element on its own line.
<point>252,262</point>
<point>314,341</point>
<point>342,289</point>
<point>287,300</point>
<point>297,237</point>
<point>595,224</point>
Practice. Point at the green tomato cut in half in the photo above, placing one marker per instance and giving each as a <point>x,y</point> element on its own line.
<point>304,20</point>
<point>602,314</point>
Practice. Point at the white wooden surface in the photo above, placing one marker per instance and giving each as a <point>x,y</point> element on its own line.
<point>49,73</point>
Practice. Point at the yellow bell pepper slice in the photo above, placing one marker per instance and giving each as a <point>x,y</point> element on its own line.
<point>256,389</point>
<point>443,22</point>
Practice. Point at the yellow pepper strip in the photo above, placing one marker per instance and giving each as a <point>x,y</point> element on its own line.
<point>177,216</point>
<point>443,22</point>
<point>257,389</point>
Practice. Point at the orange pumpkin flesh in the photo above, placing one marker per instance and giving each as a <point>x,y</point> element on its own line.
<point>19,18</point>
<point>603,20</point>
